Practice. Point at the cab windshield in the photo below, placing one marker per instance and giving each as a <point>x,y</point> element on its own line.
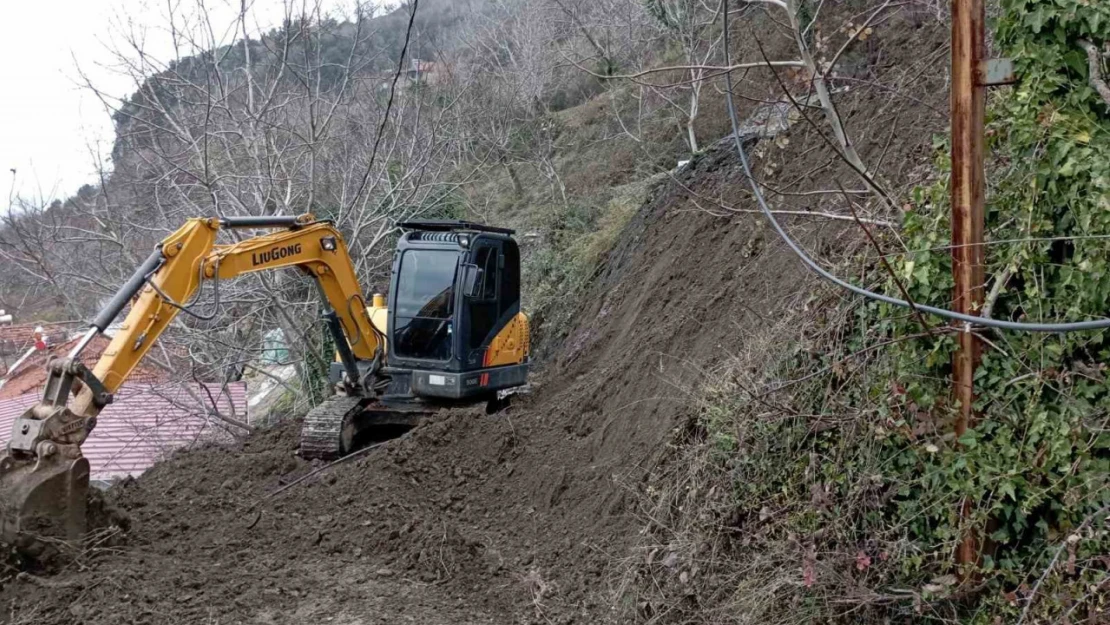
<point>425,304</point>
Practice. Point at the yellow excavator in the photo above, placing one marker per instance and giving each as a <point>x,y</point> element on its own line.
<point>452,334</point>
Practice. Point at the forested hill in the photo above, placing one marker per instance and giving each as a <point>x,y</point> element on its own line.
<point>289,122</point>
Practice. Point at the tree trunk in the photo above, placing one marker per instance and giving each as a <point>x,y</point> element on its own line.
<point>695,96</point>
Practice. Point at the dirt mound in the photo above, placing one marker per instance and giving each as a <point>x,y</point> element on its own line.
<point>207,542</point>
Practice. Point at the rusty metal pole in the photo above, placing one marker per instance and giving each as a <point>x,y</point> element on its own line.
<point>968,102</point>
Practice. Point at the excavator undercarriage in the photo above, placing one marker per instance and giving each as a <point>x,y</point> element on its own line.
<point>343,424</point>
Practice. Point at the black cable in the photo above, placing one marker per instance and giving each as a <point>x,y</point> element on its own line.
<point>388,105</point>
<point>1073,326</point>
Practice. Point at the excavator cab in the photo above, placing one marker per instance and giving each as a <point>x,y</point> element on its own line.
<point>455,326</point>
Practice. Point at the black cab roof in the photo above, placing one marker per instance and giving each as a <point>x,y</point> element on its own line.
<point>443,225</point>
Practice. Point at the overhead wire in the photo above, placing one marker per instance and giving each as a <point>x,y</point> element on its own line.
<point>969,320</point>
<point>388,106</point>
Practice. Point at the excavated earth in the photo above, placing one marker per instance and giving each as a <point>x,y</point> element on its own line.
<point>518,517</point>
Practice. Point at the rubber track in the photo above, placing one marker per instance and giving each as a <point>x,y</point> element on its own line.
<point>323,427</point>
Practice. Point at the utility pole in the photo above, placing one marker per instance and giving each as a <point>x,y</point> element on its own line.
<point>968,105</point>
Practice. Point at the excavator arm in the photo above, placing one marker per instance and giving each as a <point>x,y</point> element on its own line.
<point>42,471</point>
<point>189,257</point>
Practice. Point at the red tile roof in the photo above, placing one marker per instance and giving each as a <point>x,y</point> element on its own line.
<point>16,339</point>
<point>144,424</point>
<point>31,373</point>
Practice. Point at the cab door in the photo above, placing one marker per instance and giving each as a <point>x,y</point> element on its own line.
<point>482,309</point>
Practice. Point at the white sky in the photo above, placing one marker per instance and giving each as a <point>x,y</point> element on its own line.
<point>50,127</point>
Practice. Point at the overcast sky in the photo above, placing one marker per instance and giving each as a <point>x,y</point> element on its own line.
<point>51,128</point>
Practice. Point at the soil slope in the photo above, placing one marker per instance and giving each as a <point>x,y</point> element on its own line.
<point>471,518</point>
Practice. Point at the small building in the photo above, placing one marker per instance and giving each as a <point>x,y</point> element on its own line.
<point>151,416</point>
<point>422,71</point>
<point>16,340</point>
<point>30,372</point>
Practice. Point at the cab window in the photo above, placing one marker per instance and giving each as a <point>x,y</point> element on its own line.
<point>425,304</point>
<point>483,307</point>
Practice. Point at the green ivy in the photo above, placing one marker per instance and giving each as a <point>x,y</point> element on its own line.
<point>1036,463</point>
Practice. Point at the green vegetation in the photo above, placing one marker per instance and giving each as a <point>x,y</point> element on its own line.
<point>559,270</point>
<point>1035,465</point>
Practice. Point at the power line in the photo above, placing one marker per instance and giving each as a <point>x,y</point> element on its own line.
<point>1074,326</point>
<point>388,105</point>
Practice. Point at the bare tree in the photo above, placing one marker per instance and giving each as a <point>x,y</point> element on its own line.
<point>693,27</point>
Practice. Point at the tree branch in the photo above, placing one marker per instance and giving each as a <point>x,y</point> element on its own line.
<point>1094,65</point>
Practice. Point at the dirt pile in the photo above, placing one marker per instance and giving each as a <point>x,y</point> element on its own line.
<point>206,542</point>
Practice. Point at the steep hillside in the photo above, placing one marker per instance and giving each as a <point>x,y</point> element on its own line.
<point>470,519</point>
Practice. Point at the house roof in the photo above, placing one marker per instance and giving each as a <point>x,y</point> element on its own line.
<point>145,423</point>
<point>16,339</point>
<point>31,373</point>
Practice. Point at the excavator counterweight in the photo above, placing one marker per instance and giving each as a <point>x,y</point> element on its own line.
<point>452,334</point>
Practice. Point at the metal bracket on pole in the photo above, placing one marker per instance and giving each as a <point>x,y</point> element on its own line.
<point>996,73</point>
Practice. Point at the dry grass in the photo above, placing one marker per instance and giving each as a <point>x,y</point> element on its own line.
<point>686,562</point>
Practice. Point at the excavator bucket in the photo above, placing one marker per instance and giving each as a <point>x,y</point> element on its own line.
<point>44,479</point>
<point>43,499</point>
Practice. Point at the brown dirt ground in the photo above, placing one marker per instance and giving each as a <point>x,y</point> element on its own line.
<point>519,517</point>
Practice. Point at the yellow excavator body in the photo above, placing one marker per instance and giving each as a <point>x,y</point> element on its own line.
<point>455,327</point>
